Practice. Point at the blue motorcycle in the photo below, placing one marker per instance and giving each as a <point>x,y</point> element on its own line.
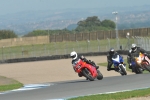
<point>118,64</point>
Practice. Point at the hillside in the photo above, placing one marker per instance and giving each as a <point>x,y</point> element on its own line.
<point>24,22</point>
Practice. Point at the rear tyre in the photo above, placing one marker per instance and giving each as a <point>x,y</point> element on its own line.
<point>100,76</point>
<point>87,74</point>
<point>138,70</point>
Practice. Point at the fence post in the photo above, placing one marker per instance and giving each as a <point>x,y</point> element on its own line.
<point>98,44</point>
<point>89,36</point>
<point>2,53</point>
<point>108,43</point>
<point>88,42</point>
<point>77,44</point>
<point>75,36</point>
<point>55,38</point>
<point>128,37</point>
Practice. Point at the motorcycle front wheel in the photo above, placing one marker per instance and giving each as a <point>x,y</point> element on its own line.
<point>87,74</point>
<point>147,67</point>
<point>100,76</point>
<point>123,70</point>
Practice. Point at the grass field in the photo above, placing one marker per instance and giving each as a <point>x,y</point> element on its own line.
<point>60,48</point>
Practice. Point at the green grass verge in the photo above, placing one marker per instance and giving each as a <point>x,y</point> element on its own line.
<point>10,87</point>
<point>9,84</point>
<point>116,96</point>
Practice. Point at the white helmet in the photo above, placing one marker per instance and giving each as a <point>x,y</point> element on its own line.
<point>73,55</point>
<point>134,47</point>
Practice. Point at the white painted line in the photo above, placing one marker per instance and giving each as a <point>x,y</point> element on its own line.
<point>28,87</point>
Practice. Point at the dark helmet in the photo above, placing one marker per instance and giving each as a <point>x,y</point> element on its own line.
<point>73,55</point>
<point>112,51</point>
<point>134,47</point>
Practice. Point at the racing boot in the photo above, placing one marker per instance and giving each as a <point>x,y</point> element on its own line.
<point>130,66</point>
<point>80,74</point>
<point>133,69</point>
<point>108,68</point>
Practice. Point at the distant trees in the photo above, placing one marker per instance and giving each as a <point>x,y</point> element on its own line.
<point>88,25</point>
<point>46,32</point>
<point>5,34</point>
<point>94,24</point>
<point>89,22</point>
<point>108,23</point>
<point>36,33</point>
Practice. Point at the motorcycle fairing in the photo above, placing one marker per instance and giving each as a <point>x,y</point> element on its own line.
<point>117,60</point>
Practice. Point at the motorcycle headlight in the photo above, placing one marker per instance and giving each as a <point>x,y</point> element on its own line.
<point>139,61</point>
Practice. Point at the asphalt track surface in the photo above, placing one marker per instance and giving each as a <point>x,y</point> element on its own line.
<point>67,89</point>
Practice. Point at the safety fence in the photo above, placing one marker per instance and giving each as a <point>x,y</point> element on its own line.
<point>62,48</point>
<point>56,50</point>
<point>100,35</point>
<point>143,42</point>
<point>43,46</point>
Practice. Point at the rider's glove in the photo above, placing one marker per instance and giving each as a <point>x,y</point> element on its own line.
<point>82,57</point>
<point>145,54</point>
<point>90,61</point>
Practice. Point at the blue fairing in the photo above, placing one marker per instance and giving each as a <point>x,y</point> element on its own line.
<point>133,63</point>
<point>117,59</point>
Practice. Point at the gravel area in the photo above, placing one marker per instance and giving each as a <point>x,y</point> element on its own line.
<point>48,71</point>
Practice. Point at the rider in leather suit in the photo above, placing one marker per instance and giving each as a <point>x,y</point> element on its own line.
<point>110,54</point>
<point>75,57</point>
<point>134,51</point>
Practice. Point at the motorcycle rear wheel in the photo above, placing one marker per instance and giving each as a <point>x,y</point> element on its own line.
<point>138,70</point>
<point>87,74</point>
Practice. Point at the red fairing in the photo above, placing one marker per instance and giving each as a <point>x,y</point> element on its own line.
<point>79,65</point>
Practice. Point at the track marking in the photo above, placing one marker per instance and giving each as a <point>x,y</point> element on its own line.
<point>28,87</point>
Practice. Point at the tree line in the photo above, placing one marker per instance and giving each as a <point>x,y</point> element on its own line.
<point>5,34</point>
<point>90,24</point>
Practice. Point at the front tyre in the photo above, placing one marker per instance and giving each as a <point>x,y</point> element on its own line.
<point>147,67</point>
<point>123,71</point>
<point>100,76</point>
<point>87,74</point>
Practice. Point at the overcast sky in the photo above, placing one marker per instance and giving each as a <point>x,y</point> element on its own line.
<point>13,6</point>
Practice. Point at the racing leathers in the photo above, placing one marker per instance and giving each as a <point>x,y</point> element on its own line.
<point>132,54</point>
<point>85,60</point>
<point>109,60</point>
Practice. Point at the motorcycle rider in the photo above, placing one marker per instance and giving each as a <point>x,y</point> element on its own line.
<point>110,54</point>
<point>135,50</point>
<point>75,57</point>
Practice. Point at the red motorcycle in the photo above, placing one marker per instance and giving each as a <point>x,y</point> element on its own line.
<point>87,70</point>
